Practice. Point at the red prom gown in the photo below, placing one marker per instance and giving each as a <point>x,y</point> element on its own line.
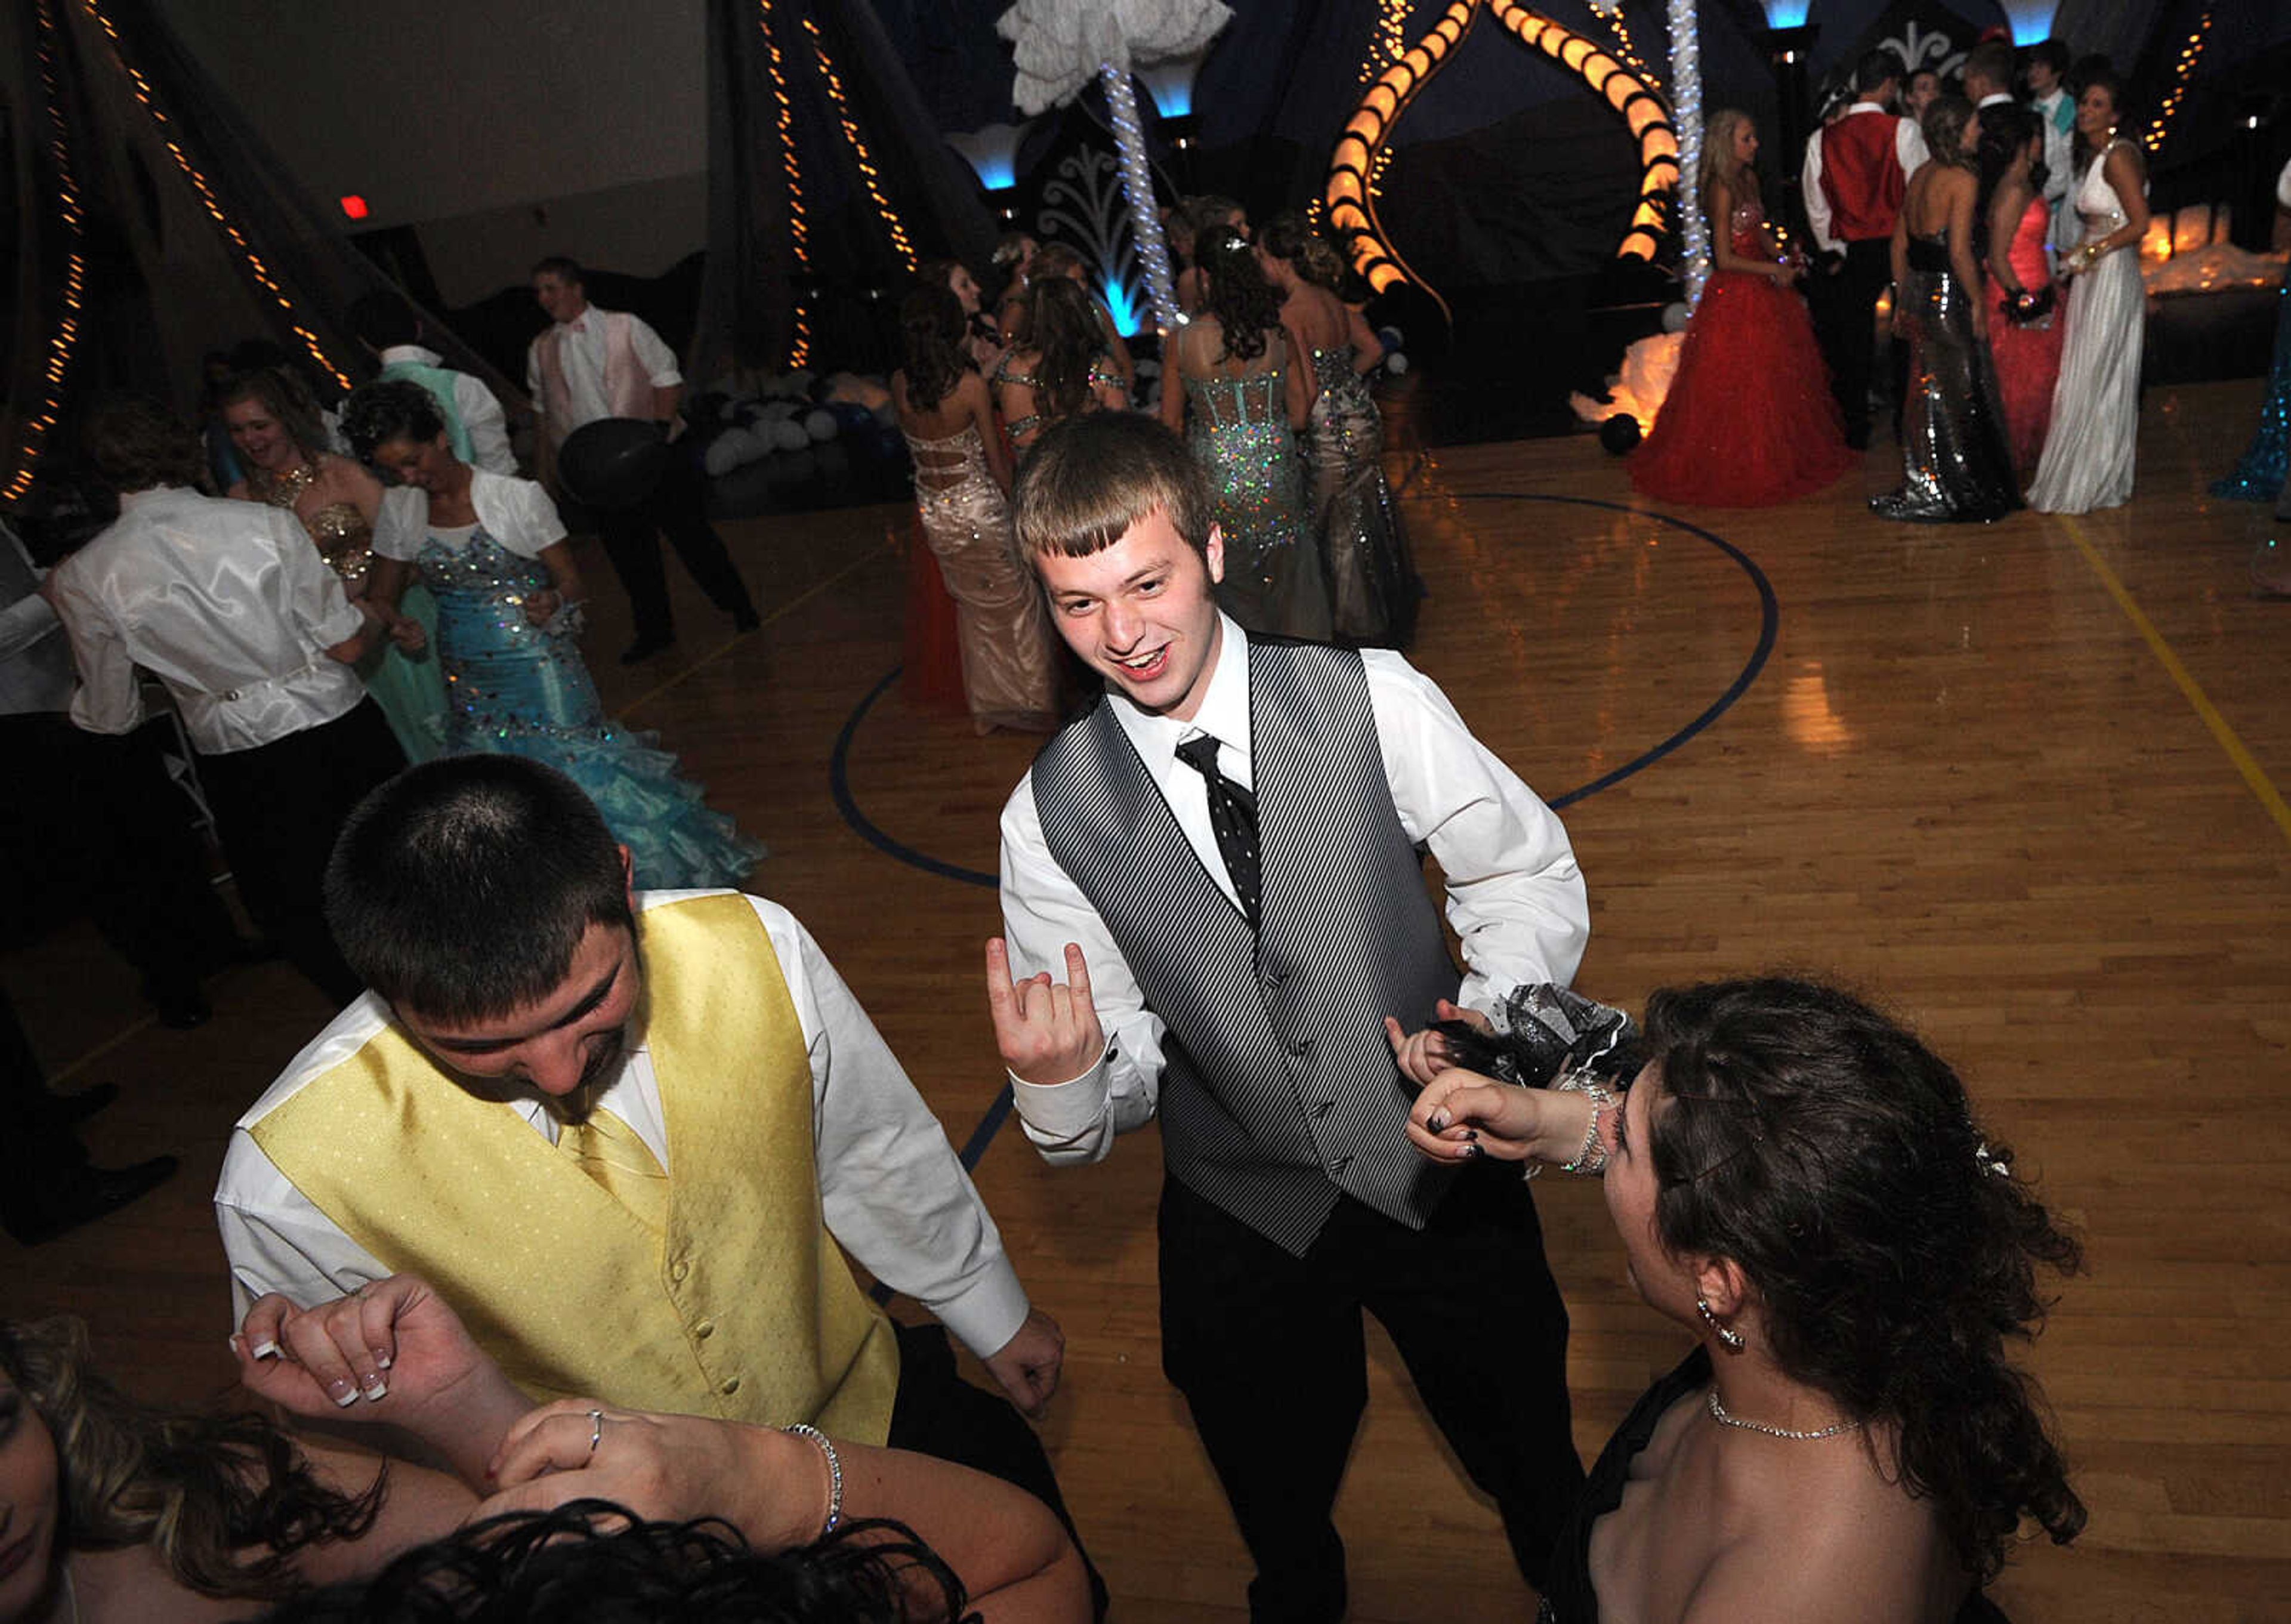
<point>2027,357</point>
<point>1750,420</point>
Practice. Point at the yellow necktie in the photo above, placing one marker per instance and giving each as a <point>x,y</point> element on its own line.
<point>610,1152</point>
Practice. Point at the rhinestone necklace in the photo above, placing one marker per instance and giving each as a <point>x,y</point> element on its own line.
<point>1718,1414</point>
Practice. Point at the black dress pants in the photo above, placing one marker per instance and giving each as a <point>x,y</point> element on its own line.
<point>678,510</point>
<point>1844,315</point>
<point>1268,1350</point>
<point>278,807</point>
<point>91,820</point>
<point>939,1414</point>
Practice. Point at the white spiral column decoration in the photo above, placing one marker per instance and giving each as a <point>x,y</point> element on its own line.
<point>1686,105</point>
<point>1137,186</point>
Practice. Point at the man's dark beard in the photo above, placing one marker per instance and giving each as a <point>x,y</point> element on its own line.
<point>597,1073</point>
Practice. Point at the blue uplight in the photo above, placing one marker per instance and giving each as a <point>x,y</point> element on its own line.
<point>1788,13</point>
<point>1127,319</point>
<point>2032,20</point>
<point>996,174</point>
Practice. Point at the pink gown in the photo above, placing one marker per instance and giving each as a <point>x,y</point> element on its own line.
<point>2027,358</point>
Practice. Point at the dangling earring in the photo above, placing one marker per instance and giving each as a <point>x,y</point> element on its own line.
<point>1728,1336</point>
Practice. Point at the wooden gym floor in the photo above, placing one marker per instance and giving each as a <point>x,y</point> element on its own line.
<point>2021,781</point>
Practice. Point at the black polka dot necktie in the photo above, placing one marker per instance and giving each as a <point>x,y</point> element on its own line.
<point>1233,818</point>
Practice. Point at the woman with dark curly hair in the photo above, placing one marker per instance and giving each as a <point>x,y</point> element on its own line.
<point>1228,383</point>
<point>1800,1181</point>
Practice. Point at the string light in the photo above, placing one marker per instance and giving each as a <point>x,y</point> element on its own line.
<point>60,343</point>
<point>1357,164</point>
<point>1629,49</point>
<point>1349,194</point>
<point>248,256</point>
<point>868,174</point>
<point>1137,183</point>
<point>799,227</point>
<point>1388,40</point>
<point>2161,126</point>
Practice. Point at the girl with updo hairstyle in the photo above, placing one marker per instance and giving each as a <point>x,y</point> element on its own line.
<point>1800,1182</point>
<point>962,496</point>
<point>1230,384</point>
<point>1373,587</point>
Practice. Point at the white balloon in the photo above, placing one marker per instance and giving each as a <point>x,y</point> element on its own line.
<point>788,436</point>
<point>1674,317</point>
<point>820,426</point>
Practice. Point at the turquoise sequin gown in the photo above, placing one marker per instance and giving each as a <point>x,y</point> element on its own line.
<point>1238,430</point>
<point>522,689</point>
<point>2261,476</point>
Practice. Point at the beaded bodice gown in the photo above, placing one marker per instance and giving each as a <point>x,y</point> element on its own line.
<point>1009,665</point>
<point>2261,476</point>
<point>1750,420</point>
<point>1955,466</point>
<point>2091,449</point>
<point>410,688</point>
<point>1373,587</point>
<point>1237,427</point>
<point>521,689</point>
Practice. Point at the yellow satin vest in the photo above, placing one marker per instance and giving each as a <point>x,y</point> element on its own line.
<point>745,1309</point>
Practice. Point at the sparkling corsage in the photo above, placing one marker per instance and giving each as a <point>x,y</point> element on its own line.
<point>2029,307</point>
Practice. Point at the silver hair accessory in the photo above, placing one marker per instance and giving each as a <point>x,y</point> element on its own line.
<point>1733,1339</point>
<point>1992,1160</point>
<point>596,1429</point>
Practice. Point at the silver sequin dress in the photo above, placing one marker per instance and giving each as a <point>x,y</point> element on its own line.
<point>1373,587</point>
<point>1237,426</point>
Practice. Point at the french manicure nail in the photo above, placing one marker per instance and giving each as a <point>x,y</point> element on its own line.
<point>376,1387</point>
<point>342,1392</point>
<point>381,1358</point>
<point>266,1349</point>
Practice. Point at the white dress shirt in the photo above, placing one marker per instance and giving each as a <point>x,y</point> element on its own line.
<point>480,413</point>
<point>581,352</point>
<point>1908,151</point>
<point>517,513</point>
<point>1515,897</point>
<point>225,602</point>
<point>893,1192</point>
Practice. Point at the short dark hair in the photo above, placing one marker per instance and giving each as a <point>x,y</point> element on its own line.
<point>461,890</point>
<point>593,1561</point>
<point>562,267</point>
<point>1090,479</point>
<point>135,444</point>
<point>1992,60</point>
<point>384,319</point>
<point>1826,1151</point>
<point>1874,67</point>
<point>389,409</point>
<point>2051,54</point>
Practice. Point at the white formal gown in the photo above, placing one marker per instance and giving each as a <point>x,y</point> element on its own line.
<point>2088,454</point>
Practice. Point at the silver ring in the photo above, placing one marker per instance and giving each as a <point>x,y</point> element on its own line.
<point>596,1429</point>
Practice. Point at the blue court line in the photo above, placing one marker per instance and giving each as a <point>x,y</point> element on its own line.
<point>839,774</point>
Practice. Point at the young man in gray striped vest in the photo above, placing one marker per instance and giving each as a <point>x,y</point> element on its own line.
<point>1213,897</point>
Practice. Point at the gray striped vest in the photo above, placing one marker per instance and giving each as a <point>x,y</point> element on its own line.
<point>1280,1090</point>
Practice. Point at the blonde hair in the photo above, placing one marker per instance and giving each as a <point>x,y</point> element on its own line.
<point>1717,157</point>
<point>225,1500</point>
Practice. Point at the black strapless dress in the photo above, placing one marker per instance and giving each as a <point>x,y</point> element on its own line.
<point>1571,1599</point>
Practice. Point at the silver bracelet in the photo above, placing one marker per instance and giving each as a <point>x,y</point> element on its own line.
<point>1592,1159</point>
<point>802,1429</point>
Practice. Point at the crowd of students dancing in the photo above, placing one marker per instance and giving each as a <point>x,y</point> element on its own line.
<point>1267,378</point>
<point>2008,232</point>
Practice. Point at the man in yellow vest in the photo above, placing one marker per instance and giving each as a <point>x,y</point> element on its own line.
<point>623,1136</point>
